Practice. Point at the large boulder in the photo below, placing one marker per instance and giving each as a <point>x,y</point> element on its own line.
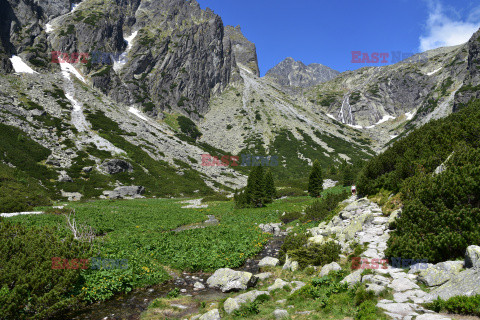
<point>228,280</point>
<point>329,267</point>
<point>440,273</point>
<point>465,283</point>
<point>116,166</point>
<point>125,192</point>
<point>232,304</point>
<point>472,257</point>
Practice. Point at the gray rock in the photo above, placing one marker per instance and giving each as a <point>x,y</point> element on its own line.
<point>297,285</point>
<point>199,286</point>
<point>472,257</point>
<point>211,315</point>
<point>65,178</point>
<point>290,264</point>
<point>294,73</point>
<point>280,314</point>
<point>278,284</point>
<point>232,304</point>
<point>244,50</point>
<point>375,288</point>
<point>87,169</point>
<point>72,196</point>
<point>125,192</point>
<point>440,273</point>
<point>273,228</point>
<point>353,278</point>
<point>329,267</point>
<point>116,166</point>
<point>264,275</point>
<point>466,283</point>
<point>230,280</point>
<point>268,262</point>
<point>403,284</point>
<point>429,316</point>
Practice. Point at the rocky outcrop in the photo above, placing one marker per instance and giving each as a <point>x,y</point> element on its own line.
<point>125,192</point>
<point>244,50</point>
<point>296,74</point>
<point>114,166</point>
<point>230,280</point>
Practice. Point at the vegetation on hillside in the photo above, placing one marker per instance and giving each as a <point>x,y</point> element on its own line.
<point>441,211</point>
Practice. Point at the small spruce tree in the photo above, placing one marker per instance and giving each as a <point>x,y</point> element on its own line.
<point>315,181</point>
<point>270,190</point>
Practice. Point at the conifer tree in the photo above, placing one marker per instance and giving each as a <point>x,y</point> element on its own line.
<point>315,181</point>
<point>270,190</point>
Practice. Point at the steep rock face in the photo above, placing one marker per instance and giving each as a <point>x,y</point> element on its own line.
<point>471,87</point>
<point>177,58</point>
<point>296,74</point>
<point>244,50</point>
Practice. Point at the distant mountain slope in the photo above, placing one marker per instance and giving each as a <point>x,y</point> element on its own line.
<point>296,74</point>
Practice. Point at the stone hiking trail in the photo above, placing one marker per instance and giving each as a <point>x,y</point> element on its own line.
<point>362,222</point>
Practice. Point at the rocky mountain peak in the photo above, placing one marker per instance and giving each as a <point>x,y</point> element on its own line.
<point>245,51</point>
<point>295,73</point>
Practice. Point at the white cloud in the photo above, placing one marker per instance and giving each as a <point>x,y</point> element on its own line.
<point>442,31</point>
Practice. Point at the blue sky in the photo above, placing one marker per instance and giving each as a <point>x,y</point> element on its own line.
<point>327,32</point>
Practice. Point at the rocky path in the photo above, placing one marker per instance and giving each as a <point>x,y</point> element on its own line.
<point>364,220</point>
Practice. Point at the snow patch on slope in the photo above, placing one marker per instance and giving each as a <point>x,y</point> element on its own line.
<point>434,71</point>
<point>137,113</point>
<point>20,66</point>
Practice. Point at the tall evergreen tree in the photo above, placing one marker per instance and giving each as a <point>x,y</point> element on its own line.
<point>270,190</point>
<point>255,190</point>
<point>347,174</point>
<point>315,181</point>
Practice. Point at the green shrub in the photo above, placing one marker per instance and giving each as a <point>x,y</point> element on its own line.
<point>292,242</point>
<point>316,254</point>
<point>321,289</point>
<point>290,192</point>
<point>30,288</point>
<point>216,197</point>
<point>290,216</point>
<point>320,209</point>
<point>173,293</point>
<point>368,311</point>
<point>458,305</point>
<point>441,212</point>
<point>188,127</point>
